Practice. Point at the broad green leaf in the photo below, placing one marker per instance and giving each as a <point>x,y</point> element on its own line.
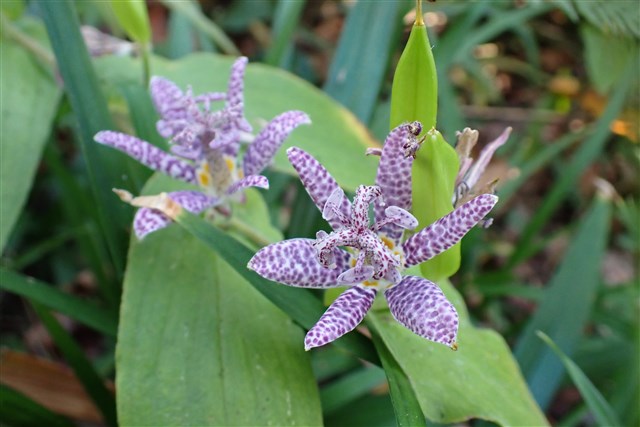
<point>133,18</point>
<point>415,97</point>
<point>29,102</point>
<point>606,56</point>
<point>74,307</point>
<point>566,305</point>
<point>597,404</point>
<point>335,137</point>
<point>350,387</point>
<point>619,18</point>
<point>480,380</point>
<point>198,345</point>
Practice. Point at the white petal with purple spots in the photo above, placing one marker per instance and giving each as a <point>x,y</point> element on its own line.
<point>148,155</point>
<point>421,306</point>
<point>394,176</point>
<point>264,147</point>
<point>346,312</point>
<point>447,231</point>
<point>317,181</point>
<point>249,181</point>
<point>294,263</point>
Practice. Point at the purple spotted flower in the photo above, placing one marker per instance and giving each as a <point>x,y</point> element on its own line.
<point>205,145</point>
<point>375,254</point>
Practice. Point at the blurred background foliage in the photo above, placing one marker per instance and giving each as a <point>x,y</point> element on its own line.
<point>561,256</point>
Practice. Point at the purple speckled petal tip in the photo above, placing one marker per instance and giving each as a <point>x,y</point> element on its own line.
<point>148,155</point>
<point>420,305</point>
<point>318,182</point>
<point>148,220</point>
<point>346,312</point>
<point>267,142</point>
<point>394,177</point>
<point>249,181</point>
<point>447,231</point>
<point>167,97</point>
<point>294,263</point>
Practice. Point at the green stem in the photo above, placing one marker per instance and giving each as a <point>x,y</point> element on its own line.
<point>244,229</point>
<point>12,32</point>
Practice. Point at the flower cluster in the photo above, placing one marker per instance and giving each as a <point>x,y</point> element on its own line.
<point>206,145</point>
<point>376,253</point>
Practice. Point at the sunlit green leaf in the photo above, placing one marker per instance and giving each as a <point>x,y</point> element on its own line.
<point>198,345</point>
<point>479,380</point>
<point>29,101</point>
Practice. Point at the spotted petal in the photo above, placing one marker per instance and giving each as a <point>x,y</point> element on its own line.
<point>249,181</point>
<point>148,155</point>
<point>447,231</point>
<point>420,305</point>
<point>235,93</point>
<point>294,263</point>
<point>169,101</point>
<point>346,312</point>
<point>148,220</point>
<point>264,147</point>
<point>318,182</point>
<point>394,177</point>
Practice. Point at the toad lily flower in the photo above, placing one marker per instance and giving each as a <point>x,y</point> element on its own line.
<point>376,255</point>
<point>205,144</point>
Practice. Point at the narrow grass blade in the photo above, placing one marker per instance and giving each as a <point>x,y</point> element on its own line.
<point>82,311</point>
<point>17,409</point>
<point>405,404</point>
<point>192,11</point>
<point>586,154</point>
<point>362,58</point>
<point>597,404</point>
<point>350,387</point>
<point>105,167</point>
<point>299,304</point>
<point>84,370</point>
<point>566,305</point>
<point>287,15</point>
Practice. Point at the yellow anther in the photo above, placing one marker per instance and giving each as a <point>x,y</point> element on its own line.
<point>204,178</point>
<point>231,164</point>
<point>388,242</point>
<point>454,346</point>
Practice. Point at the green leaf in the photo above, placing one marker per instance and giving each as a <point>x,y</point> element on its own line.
<point>606,56</point>
<point>84,370</point>
<point>433,179</point>
<point>133,18</point>
<point>83,311</point>
<point>415,97</point>
<point>361,60</point>
<point>285,21</point>
<point>192,12</point>
<point>566,305</point>
<point>405,404</point>
<point>29,102</point>
<point>414,94</point>
<point>16,409</point>
<point>480,380</point>
<point>198,345</point>
<point>619,18</point>
<point>597,404</point>
<point>106,168</point>
<point>335,136</point>
<point>350,387</point>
